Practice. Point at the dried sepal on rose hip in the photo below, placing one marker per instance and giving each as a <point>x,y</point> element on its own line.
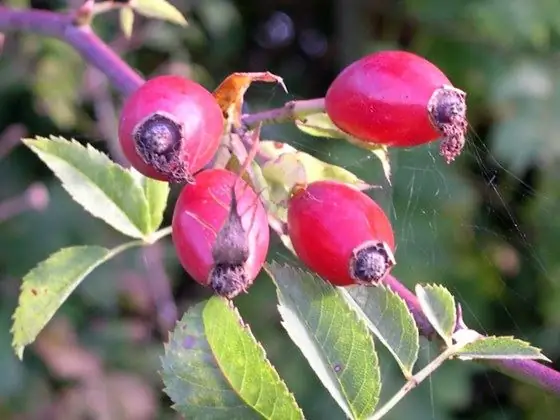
<point>398,99</point>
<point>341,233</point>
<point>220,232</point>
<point>170,128</point>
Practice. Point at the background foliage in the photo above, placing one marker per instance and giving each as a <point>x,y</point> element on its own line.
<point>486,227</point>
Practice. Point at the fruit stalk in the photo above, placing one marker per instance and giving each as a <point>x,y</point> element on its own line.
<point>126,80</point>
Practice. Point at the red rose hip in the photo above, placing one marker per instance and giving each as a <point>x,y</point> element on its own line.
<point>398,99</point>
<point>220,245</point>
<point>170,128</point>
<point>341,234</point>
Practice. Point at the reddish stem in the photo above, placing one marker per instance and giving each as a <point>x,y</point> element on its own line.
<point>81,38</point>
<point>126,80</point>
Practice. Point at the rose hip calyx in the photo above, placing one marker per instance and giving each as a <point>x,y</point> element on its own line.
<point>447,109</point>
<point>370,262</point>
<point>230,252</point>
<point>158,139</point>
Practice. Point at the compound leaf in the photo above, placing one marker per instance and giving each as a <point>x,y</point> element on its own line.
<point>330,335</point>
<point>214,368</point>
<point>156,193</point>
<point>389,319</point>
<point>438,305</point>
<point>105,189</point>
<point>47,286</point>
<point>500,348</point>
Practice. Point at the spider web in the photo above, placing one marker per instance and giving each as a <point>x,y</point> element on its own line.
<point>440,213</point>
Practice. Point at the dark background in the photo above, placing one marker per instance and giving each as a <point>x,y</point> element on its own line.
<point>487,227</point>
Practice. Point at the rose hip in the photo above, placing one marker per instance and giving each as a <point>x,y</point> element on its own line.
<point>398,99</point>
<point>170,128</point>
<point>340,233</point>
<point>221,238</point>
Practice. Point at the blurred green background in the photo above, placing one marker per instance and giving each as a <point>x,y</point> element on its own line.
<point>487,227</point>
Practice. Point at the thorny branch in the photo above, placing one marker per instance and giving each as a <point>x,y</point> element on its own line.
<point>96,52</point>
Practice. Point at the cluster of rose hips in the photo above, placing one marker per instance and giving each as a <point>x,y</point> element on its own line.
<point>172,127</point>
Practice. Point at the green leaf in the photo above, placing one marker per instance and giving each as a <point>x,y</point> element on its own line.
<point>388,317</point>
<point>439,307</point>
<point>214,368</point>
<point>159,9</point>
<point>105,189</point>
<point>319,125</point>
<point>126,19</point>
<point>500,348</point>
<point>156,193</point>
<point>47,286</point>
<point>287,167</point>
<point>330,335</point>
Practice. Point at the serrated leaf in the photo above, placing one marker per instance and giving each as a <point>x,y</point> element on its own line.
<point>126,20</point>
<point>156,193</point>
<point>47,286</point>
<point>214,368</point>
<point>438,304</point>
<point>330,335</point>
<point>500,348</point>
<point>319,125</point>
<point>105,189</point>
<point>159,9</point>
<point>388,317</point>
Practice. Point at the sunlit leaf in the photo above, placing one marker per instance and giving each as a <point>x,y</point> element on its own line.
<point>159,9</point>
<point>126,19</point>
<point>438,305</point>
<point>214,368</point>
<point>388,317</point>
<point>330,335</point>
<point>156,193</point>
<point>46,287</point>
<point>103,188</point>
<point>283,158</point>
<point>319,125</point>
<point>500,348</point>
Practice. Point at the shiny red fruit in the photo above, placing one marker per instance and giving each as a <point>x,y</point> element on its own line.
<point>170,128</point>
<point>398,99</point>
<point>202,216</point>
<point>341,234</point>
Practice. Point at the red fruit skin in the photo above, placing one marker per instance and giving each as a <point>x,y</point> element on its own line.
<point>191,104</point>
<point>383,98</point>
<point>198,216</point>
<point>327,221</point>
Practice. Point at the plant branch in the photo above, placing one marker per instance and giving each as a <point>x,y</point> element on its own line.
<point>413,382</point>
<point>126,80</point>
<point>291,111</point>
<point>80,37</point>
<point>529,371</point>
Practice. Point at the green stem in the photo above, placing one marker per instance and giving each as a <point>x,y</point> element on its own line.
<point>413,382</point>
<point>156,236</point>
